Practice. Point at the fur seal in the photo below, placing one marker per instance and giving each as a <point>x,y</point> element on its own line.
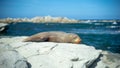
<point>54,36</point>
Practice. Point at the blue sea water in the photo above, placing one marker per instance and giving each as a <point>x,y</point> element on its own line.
<point>101,35</point>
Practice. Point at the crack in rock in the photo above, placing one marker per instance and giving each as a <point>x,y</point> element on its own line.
<point>34,54</point>
<point>94,63</point>
<point>38,51</point>
<point>26,44</point>
<point>72,66</point>
<point>19,63</point>
<point>53,47</point>
<point>75,59</point>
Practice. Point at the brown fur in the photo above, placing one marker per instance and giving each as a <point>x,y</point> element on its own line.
<point>54,36</point>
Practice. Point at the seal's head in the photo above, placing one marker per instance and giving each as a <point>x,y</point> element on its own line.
<point>75,38</point>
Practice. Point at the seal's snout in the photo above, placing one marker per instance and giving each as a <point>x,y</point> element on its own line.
<point>77,40</point>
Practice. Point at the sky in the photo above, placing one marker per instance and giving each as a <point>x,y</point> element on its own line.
<point>76,9</point>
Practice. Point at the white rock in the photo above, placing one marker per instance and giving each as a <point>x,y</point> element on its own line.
<point>35,49</point>
<point>10,40</point>
<point>58,55</point>
<point>54,55</point>
<point>10,58</point>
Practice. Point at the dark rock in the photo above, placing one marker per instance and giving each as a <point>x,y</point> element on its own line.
<point>3,27</point>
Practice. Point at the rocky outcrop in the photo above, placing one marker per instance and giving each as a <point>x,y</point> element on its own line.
<point>61,55</point>
<point>3,27</point>
<point>10,58</point>
<point>39,19</point>
<point>109,60</point>
<point>50,19</point>
<point>54,55</point>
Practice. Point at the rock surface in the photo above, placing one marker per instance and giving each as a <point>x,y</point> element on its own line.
<point>10,58</point>
<point>109,60</point>
<point>61,55</point>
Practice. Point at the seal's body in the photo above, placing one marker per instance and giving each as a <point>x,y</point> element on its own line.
<point>54,36</point>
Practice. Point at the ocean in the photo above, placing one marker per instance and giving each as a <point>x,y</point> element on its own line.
<point>101,35</point>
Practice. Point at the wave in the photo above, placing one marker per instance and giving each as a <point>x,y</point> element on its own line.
<point>98,23</point>
<point>94,31</point>
<point>114,22</point>
<point>113,27</point>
